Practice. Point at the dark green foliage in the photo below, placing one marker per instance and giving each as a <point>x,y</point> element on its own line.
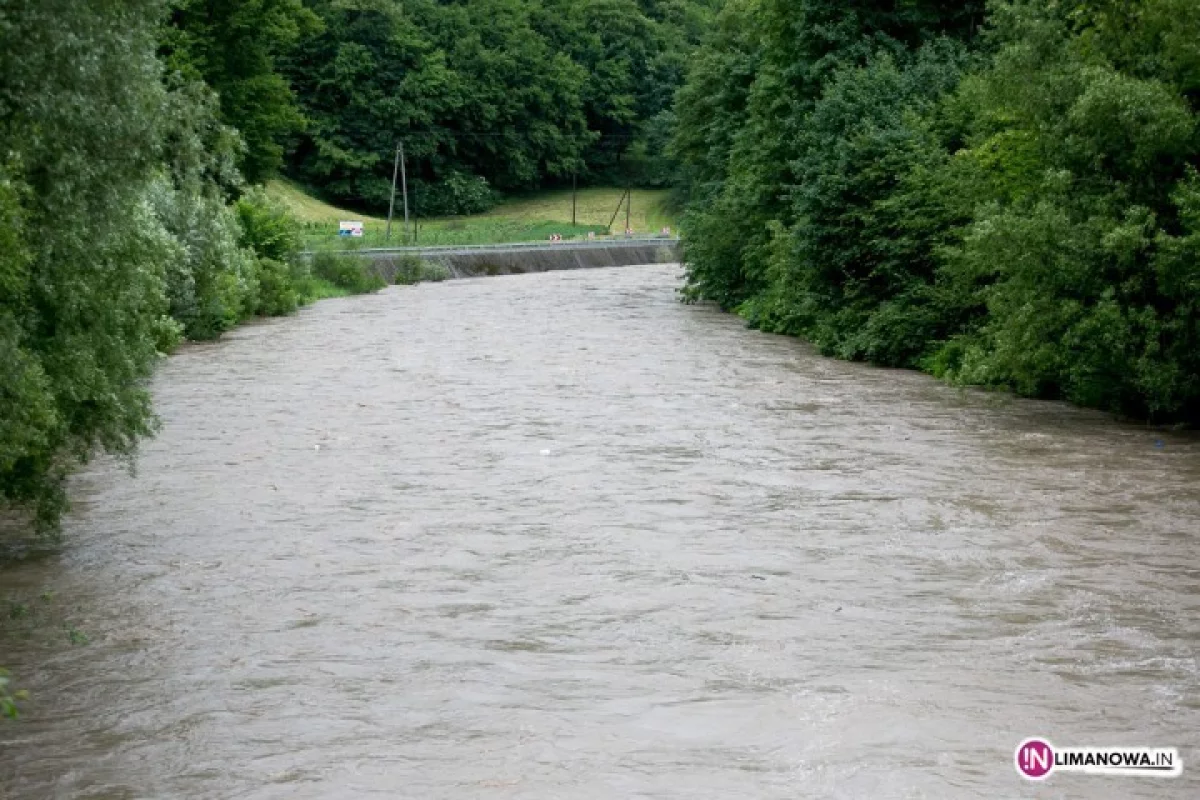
<point>471,93</point>
<point>232,45</point>
<point>487,95</point>
<point>1078,253</point>
<point>727,209</point>
<point>454,194</point>
<point>1014,210</point>
<point>859,260</point>
<point>742,136</point>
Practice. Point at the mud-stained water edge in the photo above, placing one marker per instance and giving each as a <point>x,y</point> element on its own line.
<point>560,536</point>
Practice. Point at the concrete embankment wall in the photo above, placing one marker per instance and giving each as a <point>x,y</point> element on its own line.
<point>501,262</point>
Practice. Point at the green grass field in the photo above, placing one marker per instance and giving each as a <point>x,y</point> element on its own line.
<point>526,218</point>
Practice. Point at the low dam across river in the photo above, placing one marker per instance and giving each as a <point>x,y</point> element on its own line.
<point>468,261</point>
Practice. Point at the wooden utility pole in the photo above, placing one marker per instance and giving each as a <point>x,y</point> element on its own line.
<point>392,204</point>
<point>617,210</point>
<point>573,191</point>
<point>404,184</point>
<point>398,167</point>
<point>628,203</point>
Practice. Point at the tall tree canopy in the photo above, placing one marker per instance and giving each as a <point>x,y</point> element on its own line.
<point>469,99</point>
<point>488,94</point>
<point>233,46</point>
<point>1002,194</point>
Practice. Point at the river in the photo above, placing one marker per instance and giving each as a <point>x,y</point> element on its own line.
<point>560,536</point>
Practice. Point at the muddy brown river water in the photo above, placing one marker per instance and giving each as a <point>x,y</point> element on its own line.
<point>559,536</point>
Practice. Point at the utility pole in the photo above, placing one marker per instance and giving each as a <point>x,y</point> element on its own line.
<point>573,190</point>
<point>628,203</point>
<point>392,204</point>
<point>616,211</point>
<point>398,167</point>
<point>404,184</point>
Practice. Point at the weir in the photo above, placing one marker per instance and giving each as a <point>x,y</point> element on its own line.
<point>468,261</point>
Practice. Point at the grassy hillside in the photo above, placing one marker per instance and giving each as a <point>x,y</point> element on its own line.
<point>532,217</point>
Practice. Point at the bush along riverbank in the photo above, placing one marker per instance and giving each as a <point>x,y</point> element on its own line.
<point>274,280</point>
<point>229,264</point>
<point>126,227</point>
<point>1003,194</point>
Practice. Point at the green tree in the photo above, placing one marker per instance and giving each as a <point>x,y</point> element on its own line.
<point>634,54</point>
<point>233,46</point>
<point>82,264</point>
<point>1016,209</point>
<point>855,272</point>
<point>1081,253</point>
<point>369,77</point>
<point>520,117</point>
<point>488,95</point>
<point>750,94</point>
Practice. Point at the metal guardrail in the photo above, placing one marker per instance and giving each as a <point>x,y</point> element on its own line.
<point>463,249</point>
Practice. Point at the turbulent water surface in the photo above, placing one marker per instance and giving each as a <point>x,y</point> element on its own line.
<point>560,536</point>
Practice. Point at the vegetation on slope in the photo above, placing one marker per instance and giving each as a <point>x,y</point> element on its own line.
<point>529,217</point>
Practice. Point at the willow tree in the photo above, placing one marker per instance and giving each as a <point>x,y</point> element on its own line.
<point>82,259</point>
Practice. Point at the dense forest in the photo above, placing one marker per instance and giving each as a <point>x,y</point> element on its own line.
<point>488,95</point>
<point>1003,194</point>
<point>135,134</point>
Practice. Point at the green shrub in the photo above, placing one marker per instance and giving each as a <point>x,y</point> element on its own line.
<point>408,270</point>
<point>167,334</point>
<point>270,231</point>
<point>454,195</point>
<point>277,289</point>
<point>8,698</point>
<point>435,272</point>
<point>346,272</point>
<point>211,280</point>
<point>412,269</point>
<point>267,227</point>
